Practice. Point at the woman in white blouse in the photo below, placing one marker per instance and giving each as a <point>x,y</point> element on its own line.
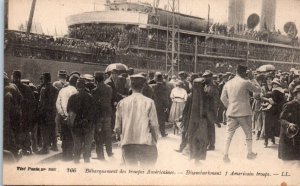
<point>179,97</point>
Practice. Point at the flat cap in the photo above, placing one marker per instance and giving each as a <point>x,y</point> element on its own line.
<point>181,73</point>
<point>62,73</point>
<point>138,78</point>
<point>25,81</point>
<point>87,77</point>
<point>198,80</point>
<point>207,73</point>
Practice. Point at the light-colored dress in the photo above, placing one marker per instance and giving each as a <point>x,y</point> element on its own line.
<point>179,97</point>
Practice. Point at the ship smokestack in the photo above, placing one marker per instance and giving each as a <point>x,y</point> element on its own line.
<point>268,14</point>
<point>236,14</point>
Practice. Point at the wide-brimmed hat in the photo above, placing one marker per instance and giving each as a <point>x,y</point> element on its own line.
<point>87,77</point>
<point>296,89</point>
<point>276,81</point>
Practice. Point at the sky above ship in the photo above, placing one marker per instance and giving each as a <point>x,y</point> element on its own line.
<point>51,14</point>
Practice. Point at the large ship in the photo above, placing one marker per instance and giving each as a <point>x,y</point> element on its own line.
<point>145,32</point>
<point>146,37</point>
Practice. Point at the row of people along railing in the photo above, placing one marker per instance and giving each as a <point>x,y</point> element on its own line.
<point>217,46</point>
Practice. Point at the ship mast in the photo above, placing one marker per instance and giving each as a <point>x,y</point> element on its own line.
<point>173,42</point>
<point>31,16</point>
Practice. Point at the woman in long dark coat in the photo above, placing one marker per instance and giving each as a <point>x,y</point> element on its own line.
<point>289,143</point>
<point>197,127</point>
<point>276,99</point>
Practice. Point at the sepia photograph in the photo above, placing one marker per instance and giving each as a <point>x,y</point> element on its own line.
<point>151,92</point>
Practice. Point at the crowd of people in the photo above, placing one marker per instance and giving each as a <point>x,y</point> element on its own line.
<point>87,112</point>
<point>57,48</point>
<point>75,50</point>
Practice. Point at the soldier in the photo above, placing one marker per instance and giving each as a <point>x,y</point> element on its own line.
<point>116,97</point>
<point>211,93</point>
<point>89,82</point>
<point>102,95</point>
<point>61,106</point>
<point>12,115</point>
<point>27,113</point>
<point>236,98</point>
<point>48,112</point>
<point>161,100</point>
<point>81,115</point>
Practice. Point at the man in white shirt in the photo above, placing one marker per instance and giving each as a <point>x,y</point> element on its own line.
<point>136,121</point>
<point>61,106</point>
<point>236,98</point>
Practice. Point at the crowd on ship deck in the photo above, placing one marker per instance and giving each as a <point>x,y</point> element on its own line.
<point>45,46</point>
<point>49,47</point>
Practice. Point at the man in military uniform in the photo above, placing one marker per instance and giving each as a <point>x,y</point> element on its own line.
<point>116,97</point>
<point>102,95</point>
<point>211,93</point>
<point>89,82</point>
<point>81,108</point>
<point>27,103</point>
<point>48,112</point>
<point>161,100</point>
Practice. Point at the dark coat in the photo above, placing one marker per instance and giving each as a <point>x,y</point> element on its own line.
<point>27,103</point>
<point>211,97</point>
<point>102,95</point>
<point>116,97</point>
<point>197,124</point>
<point>289,149</point>
<point>147,91</point>
<point>272,125</point>
<point>186,113</point>
<point>161,94</point>
<point>48,97</point>
<point>82,104</point>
